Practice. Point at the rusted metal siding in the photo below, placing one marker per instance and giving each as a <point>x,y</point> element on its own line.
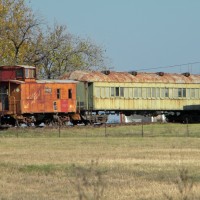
<point>7,74</point>
<point>48,97</point>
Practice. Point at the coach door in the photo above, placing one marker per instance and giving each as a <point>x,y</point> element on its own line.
<point>4,105</point>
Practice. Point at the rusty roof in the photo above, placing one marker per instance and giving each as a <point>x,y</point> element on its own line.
<point>126,77</point>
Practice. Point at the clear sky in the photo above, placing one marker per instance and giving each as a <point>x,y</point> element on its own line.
<point>136,34</point>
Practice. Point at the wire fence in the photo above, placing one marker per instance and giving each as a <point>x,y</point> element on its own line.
<point>108,130</point>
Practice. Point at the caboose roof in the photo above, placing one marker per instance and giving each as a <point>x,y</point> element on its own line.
<point>13,81</point>
<point>126,77</point>
<point>17,66</point>
<point>56,81</point>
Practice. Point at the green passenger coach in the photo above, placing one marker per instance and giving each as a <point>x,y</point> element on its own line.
<point>138,93</point>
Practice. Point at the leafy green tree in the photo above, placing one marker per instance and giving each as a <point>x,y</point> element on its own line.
<point>18,31</point>
<point>54,51</point>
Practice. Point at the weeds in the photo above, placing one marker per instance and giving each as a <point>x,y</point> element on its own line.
<point>184,186</point>
<point>89,183</point>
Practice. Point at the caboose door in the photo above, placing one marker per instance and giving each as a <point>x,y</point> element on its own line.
<point>4,97</point>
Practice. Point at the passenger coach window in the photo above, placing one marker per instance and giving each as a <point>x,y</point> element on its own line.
<point>144,93</point>
<point>153,93</point>
<point>126,93</point>
<point>175,92</point>
<point>97,92</point>
<point>196,93</point>
<point>165,92</point>
<point>148,92</point>
<point>102,92</point>
<point>121,92</point>
<point>117,91</point>
<point>112,94</point>
<point>192,93</point>
<point>181,92</point>
<point>130,90</point>
<point>107,94</point>
<point>158,92</point>
<point>136,92</point>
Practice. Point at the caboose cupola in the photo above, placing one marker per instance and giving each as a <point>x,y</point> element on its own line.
<point>19,72</point>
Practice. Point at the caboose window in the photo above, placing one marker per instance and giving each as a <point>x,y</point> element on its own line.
<point>27,73</point>
<point>31,73</point>
<point>70,93</point>
<point>19,73</point>
<point>58,93</point>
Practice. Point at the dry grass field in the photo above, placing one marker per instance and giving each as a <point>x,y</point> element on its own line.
<point>101,163</point>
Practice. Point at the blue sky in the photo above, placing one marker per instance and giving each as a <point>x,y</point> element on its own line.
<point>136,34</point>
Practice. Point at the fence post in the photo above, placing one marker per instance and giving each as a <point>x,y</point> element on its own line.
<point>187,131</point>
<point>105,130</point>
<point>59,129</point>
<point>142,128</point>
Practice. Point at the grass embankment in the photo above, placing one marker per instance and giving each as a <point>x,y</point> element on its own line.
<point>83,163</point>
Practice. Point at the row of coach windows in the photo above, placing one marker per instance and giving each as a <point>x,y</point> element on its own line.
<point>138,92</point>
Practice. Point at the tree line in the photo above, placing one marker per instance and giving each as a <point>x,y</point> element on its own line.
<point>26,39</point>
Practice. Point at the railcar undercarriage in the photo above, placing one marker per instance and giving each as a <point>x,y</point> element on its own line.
<point>93,117</point>
<point>48,119</point>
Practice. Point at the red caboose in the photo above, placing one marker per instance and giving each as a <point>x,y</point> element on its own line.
<point>24,98</point>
